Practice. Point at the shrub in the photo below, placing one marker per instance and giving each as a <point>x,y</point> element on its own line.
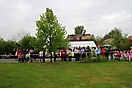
<point>95,58</point>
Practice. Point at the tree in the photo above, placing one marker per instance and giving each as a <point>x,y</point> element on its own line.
<point>7,46</point>
<point>93,39</point>
<point>25,42</point>
<point>117,39</point>
<point>98,39</point>
<point>2,46</point>
<point>50,33</point>
<point>116,36</point>
<point>10,45</point>
<point>79,30</point>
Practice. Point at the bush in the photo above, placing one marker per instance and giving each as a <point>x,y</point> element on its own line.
<point>95,58</point>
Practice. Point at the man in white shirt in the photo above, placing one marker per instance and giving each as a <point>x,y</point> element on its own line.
<point>41,56</point>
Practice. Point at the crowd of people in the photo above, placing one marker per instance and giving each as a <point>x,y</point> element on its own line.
<point>125,54</point>
<point>76,52</point>
<point>82,52</point>
<point>24,55</point>
<point>117,55</point>
<point>67,54</point>
<point>27,55</point>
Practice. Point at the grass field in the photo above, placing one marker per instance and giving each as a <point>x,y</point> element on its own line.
<point>66,75</point>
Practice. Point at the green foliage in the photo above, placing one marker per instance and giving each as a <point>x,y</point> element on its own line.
<point>25,42</point>
<point>93,39</point>
<point>50,34</point>
<point>94,58</point>
<point>7,46</point>
<point>10,45</point>
<point>79,30</point>
<point>117,39</point>
<point>120,40</point>
<point>98,39</point>
<point>3,45</point>
<point>117,36</point>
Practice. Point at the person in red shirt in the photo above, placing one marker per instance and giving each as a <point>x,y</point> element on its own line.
<point>130,49</point>
<point>117,56</point>
<point>130,54</point>
<point>103,51</point>
<point>63,54</point>
<point>19,55</point>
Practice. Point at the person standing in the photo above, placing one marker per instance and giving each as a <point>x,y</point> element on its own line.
<point>125,56</point>
<point>70,54</point>
<point>83,55</point>
<point>55,56</point>
<point>23,55</point>
<point>130,49</point>
<point>77,54</point>
<point>30,53</point>
<point>107,53</point>
<point>19,55</point>
<point>88,51</point>
<point>103,51</point>
<point>130,56</point>
<point>27,56</point>
<point>98,51</point>
<point>111,52</point>
<point>117,56</point>
<point>93,51</point>
<point>40,56</point>
<point>13,53</point>
<point>63,54</point>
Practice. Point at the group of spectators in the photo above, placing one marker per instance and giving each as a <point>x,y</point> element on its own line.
<point>67,54</point>
<point>27,55</point>
<point>125,54</point>
<point>24,55</point>
<point>76,52</point>
<point>117,55</point>
<point>81,52</point>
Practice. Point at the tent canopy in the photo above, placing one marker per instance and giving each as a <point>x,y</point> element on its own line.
<point>83,44</point>
<point>107,45</point>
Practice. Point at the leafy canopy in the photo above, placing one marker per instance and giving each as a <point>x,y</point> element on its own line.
<point>50,33</point>
<point>79,30</point>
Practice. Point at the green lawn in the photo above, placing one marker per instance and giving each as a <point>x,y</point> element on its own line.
<point>66,75</point>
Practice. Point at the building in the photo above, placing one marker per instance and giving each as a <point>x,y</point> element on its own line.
<point>79,37</point>
<point>130,37</point>
<point>82,40</point>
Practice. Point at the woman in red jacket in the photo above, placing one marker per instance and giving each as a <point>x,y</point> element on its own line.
<point>63,54</point>
<point>103,51</point>
<point>19,55</point>
<point>117,56</point>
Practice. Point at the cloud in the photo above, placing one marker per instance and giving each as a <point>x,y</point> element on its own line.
<point>97,16</point>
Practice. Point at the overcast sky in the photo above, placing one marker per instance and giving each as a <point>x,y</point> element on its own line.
<point>98,17</point>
